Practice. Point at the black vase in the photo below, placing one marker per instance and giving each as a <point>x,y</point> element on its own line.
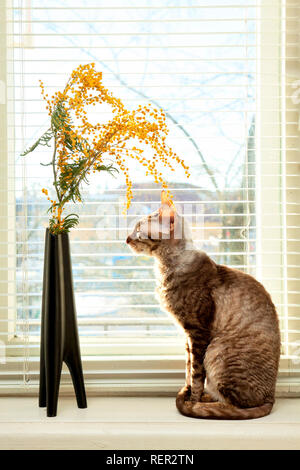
<point>59,331</point>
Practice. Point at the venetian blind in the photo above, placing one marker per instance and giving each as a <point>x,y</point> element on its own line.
<point>225,73</point>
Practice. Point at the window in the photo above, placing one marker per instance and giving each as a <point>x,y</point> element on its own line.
<point>225,74</point>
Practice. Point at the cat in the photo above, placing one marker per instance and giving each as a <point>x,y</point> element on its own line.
<point>230,322</point>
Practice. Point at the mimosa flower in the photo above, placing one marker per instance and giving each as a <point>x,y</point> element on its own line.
<point>82,149</point>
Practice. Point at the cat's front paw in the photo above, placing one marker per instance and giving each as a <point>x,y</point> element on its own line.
<point>207,398</point>
<point>185,393</point>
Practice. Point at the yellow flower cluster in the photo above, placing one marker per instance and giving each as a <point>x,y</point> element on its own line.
<point>83,148</point>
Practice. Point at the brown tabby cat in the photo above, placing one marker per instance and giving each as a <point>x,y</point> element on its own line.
<point>231,325</point>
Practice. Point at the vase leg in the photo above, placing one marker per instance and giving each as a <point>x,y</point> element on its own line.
<point>52,388</point>
<point>42,386</point>
<point>71,354</point>
<point>75,369</point>
<point>53,333</point>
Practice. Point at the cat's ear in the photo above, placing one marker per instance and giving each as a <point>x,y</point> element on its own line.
<point>167,207</point>
<point>166,200</point>
<point>167,212</point>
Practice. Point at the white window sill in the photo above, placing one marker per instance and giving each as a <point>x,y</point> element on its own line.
<point>140,423</point>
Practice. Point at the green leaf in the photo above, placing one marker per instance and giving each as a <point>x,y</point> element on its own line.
<point>70,215</point>
<point>43,140</point>
<point>110,169</point>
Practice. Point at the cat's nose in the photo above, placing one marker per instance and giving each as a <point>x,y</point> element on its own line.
<point>128,239</point>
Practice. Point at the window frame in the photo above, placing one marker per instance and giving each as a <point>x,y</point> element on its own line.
<point>7,198</point>
<point>271,158</point>
<point>158,366</point>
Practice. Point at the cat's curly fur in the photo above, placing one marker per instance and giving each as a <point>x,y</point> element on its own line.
<point>231,325</point>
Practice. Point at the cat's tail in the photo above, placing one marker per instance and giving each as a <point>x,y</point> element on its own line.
<point>218,410</point>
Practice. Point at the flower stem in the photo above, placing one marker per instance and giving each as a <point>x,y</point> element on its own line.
<point>54,170</point>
